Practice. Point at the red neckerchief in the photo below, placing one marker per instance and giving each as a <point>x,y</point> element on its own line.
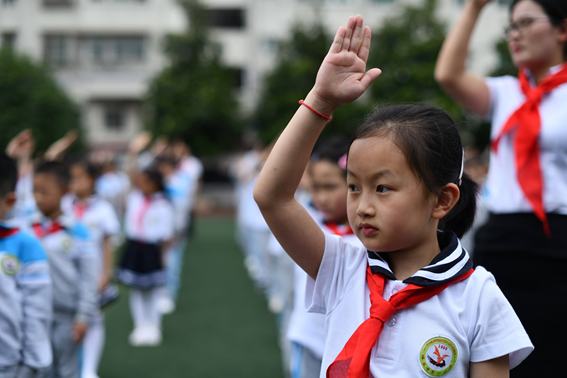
<point>79,208</point>
<point>143,210</point>
<point>5,232</point>
<point>41,231</point>
<point>339,229</point>
<point>354,359</point>
<point>527,123</point>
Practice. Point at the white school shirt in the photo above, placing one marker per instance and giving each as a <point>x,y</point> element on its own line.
<point>98,215</point>
<point>149,224</point>
<point>178,186</point>
<point>504,194</point>
<point>473,314</point>
<point>308,328</point>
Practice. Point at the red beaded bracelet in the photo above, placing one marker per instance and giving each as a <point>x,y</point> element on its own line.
<point>309,107</point>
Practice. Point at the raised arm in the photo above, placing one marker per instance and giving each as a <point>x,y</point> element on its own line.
<point>468,90</point>
<point>341,79</point>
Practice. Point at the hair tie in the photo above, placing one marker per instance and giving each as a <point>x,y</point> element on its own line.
<point>343,162</point>
<point>462,168</point>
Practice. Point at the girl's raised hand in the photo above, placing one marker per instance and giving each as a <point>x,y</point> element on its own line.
<point>342,77</point>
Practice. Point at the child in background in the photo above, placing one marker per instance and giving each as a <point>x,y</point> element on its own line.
<point>149,229</point>
<point>408,303</point>
<point>100,218</point>
<point>74,268</point>
<point>327,172</point>
<point>25,292</point>
<point>178,187</point>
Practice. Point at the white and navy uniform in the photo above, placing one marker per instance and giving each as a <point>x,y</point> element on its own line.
<point>25,305</point>
<point>74,268</point>
<point>307,329</point>
<point>100,218</point>
<point>179,188</point>
<point>149,222</point>
<point>512,244</point>
<point>114,187</point>
<point>472,318</point>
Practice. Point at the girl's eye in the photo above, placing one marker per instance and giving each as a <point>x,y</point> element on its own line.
<point>352,188</point>
<point>382,189</point>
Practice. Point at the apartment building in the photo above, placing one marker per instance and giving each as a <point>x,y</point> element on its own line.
<point>104,52</point>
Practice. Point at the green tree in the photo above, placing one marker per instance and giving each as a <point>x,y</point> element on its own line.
<point>405,48</point>
<point>291,79</point>
<point>195,96</point>
<point>31,99</point>
<point>505,64</point>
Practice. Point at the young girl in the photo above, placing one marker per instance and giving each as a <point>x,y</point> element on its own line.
<point>408,303</point>
<point>306,331</point>
<point>149,228</point>
<point>99,216</point>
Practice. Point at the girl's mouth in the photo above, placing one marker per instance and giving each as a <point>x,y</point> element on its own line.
<point>367,229</point>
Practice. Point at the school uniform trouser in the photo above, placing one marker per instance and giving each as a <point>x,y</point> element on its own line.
<point>531,271</point>
<point>20,371</point>
<point>65,352</point>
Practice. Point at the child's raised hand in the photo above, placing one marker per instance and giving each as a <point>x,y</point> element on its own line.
<point>342,77</point>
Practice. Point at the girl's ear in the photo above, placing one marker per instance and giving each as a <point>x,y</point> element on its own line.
<point>447,199</point>
<point>563,31</point>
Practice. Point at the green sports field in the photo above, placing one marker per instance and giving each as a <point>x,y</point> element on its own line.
<point>221,328</point>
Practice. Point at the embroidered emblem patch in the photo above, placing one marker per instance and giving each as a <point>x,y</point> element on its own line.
<point>10,265</point>
<point>438,356</point>
<point>66,244</point>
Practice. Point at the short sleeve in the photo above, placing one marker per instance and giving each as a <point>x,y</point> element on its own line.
<point>340,262</point>
<point>497,88</point>
<point>497,330</point>
<point>111,224</point>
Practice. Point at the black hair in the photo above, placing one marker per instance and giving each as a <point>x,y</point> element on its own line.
<point>167,159</point>
<point>428,138</point>
<point>8,174</point>
<point>556,10</point>
<point>92,169</point>
<point>331,150</point>
<point>56,169</point>
<point>155,176</point>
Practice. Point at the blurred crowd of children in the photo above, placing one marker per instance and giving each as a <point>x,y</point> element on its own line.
<point>61,219</point>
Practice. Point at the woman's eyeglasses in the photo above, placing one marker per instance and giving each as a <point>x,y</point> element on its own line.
<point>523,26</point>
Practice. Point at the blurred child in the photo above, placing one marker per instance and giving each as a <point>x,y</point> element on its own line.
<point>178,187</point>
<point>100,218</point>
<point>306,331</point>
<point>25,291</point>
<point>74,267</point>
<point>149,229</point>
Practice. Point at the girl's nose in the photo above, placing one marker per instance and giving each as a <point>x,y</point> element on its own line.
<point>365,207</point>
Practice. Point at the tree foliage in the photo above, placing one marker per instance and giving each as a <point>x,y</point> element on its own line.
<point>195,96</point>
<point>405,48</point>
<point>31,99</point>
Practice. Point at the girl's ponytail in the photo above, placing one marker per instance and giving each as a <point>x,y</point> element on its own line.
<point>461,217</point>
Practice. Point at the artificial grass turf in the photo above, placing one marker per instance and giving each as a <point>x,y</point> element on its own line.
<point>220,329</point>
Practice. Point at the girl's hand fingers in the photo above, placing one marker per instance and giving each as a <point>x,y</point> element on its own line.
<point>349,27</point>
<point>369,78</point>
<point>364,49</point>
<point>357,35</point>
<point>338,41</point>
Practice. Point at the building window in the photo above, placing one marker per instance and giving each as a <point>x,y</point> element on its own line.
<point>9,40</point>
<point>110,50</point>
<point>58,3</point>
<point>237,77</point>
<point>8,2</point>
<point>114,117</point>
<point>56,50</point>
<point>230,18</point>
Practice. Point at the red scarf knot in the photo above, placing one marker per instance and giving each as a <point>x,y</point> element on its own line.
<point>526,121</point>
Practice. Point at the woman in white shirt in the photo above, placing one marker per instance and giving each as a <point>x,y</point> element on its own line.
<point>527,180</point>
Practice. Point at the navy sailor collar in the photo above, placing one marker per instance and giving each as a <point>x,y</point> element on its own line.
<point>450,263</point>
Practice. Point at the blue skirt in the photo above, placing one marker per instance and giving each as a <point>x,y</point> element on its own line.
<point>141,266</point>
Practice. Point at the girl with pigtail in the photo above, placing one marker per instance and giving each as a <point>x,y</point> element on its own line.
<point>408,302</point>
